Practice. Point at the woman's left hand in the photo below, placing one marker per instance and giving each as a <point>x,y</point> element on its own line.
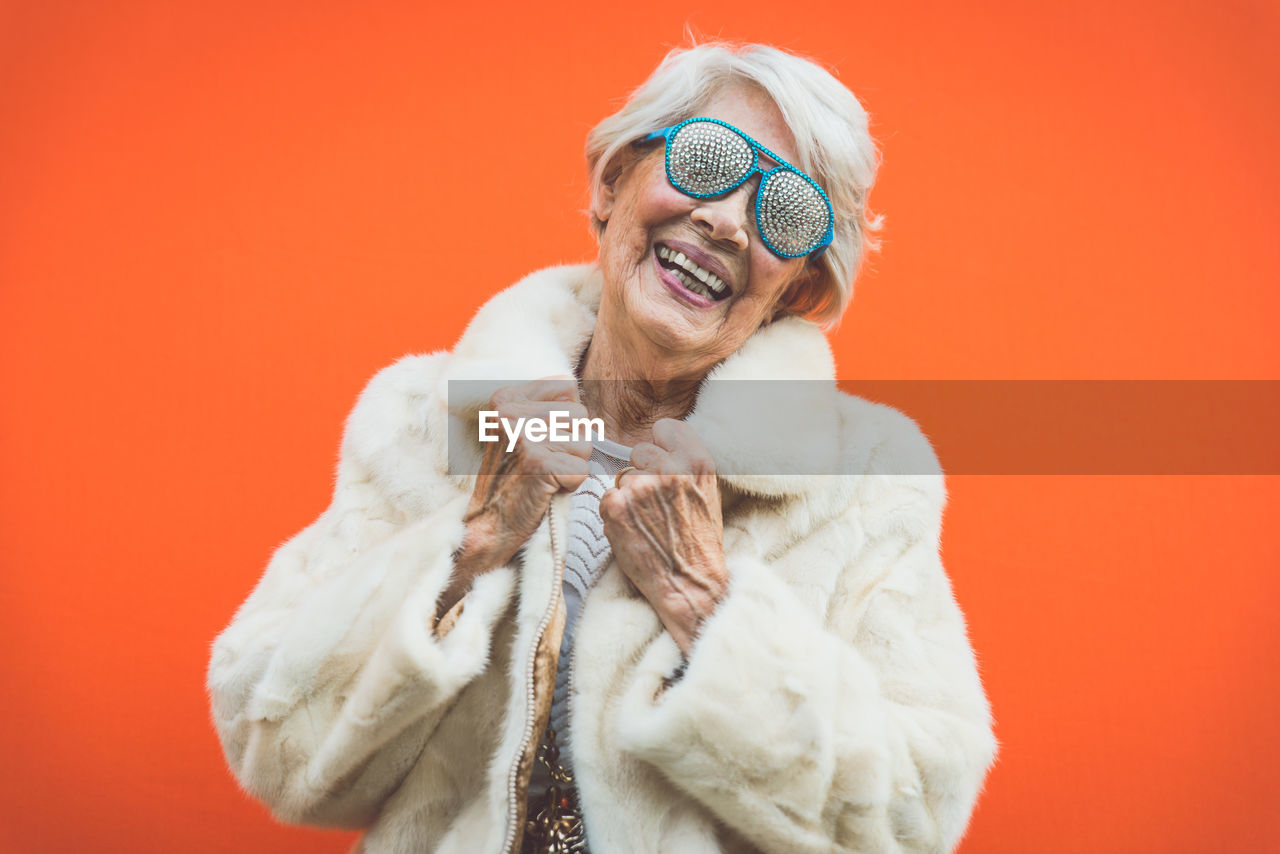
<point>663,521</point>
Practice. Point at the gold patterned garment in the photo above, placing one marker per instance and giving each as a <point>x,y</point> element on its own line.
<point>555,821</point>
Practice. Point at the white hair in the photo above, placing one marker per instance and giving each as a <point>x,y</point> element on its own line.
<point>829,125</point>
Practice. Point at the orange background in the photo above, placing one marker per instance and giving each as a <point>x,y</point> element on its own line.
<point>217,223</point>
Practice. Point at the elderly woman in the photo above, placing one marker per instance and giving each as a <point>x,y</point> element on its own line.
<point>722,627</point>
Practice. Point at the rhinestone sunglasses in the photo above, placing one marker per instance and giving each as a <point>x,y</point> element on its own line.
<point>707,158</point>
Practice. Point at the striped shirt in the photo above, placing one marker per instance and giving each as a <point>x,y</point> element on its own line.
<point>588,553</point>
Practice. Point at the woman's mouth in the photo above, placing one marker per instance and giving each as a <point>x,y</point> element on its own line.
<point>692,277</point>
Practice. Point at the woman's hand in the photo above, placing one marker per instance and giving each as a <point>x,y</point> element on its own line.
<point>513,488</point>
<point>663,521</point>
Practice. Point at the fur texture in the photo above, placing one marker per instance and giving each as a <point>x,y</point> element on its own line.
<point>831,704</point>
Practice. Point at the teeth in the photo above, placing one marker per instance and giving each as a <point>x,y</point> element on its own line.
<point>693,284</point>
<point>699,279</point>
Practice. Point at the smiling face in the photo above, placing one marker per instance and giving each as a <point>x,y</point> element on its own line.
<point>687,281</point>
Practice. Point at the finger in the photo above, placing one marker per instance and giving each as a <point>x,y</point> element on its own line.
<point>654,460</point>
<point>566,471</point>
<point>553,388</point>
<point>505,396</point>
<point>623,472</point>
<point>613,508</point>
<point>674,436</point>
<point>648,457</point>
<point>547,388</point>
<point>688,453</point>
<point>580,449</point>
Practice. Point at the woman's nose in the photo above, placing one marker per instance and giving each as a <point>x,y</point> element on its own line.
<point>725,218</point>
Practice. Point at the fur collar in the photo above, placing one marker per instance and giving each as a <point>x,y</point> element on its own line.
<point>766,440</point>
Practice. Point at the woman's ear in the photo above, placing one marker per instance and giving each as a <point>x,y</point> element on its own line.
<point>607,198</point>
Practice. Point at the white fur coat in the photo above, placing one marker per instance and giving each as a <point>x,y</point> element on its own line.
<point>830,704</point>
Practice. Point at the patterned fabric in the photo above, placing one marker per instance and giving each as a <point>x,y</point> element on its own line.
<point>555,824</point>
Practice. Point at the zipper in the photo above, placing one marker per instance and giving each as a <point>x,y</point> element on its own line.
<point>512,776</point>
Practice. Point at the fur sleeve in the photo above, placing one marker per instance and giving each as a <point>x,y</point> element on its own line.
<point>861,729</point>
<point>330,679</point>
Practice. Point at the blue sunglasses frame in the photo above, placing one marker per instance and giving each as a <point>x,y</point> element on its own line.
<point>666,134</point>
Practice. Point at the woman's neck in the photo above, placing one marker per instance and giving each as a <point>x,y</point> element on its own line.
<point>629,392</point>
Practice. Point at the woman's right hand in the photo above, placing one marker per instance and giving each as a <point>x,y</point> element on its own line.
<point>513,488</point>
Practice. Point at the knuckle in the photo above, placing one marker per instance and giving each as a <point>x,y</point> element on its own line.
<point>671,467</point>
<point>701,463</point>
<point>556,388</point>
<point>578,450</point>
<point>645,485</point>
<point>532,458</point>
<point>612,504</point>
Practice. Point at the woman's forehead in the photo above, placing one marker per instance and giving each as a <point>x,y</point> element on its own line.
<point>752,111</point>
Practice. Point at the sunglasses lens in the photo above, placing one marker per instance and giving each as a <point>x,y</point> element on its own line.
<point>793,215</point>
<point>705,159</point>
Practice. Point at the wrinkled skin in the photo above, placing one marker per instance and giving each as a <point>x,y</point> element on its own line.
<point>513,489</point>
<point>663,520</point>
